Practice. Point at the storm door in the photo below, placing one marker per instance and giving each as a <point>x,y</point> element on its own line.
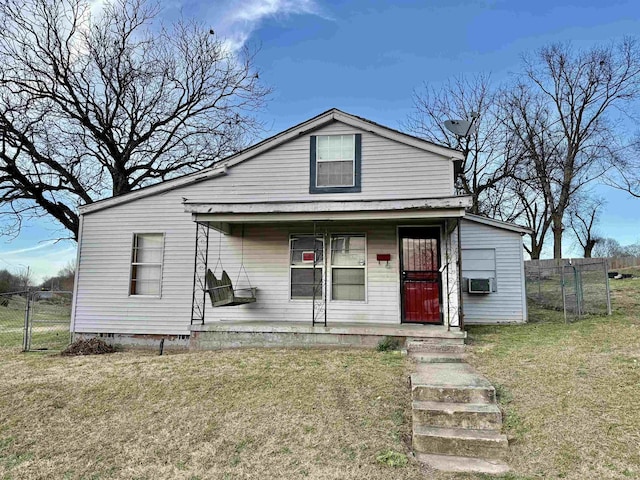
<point>420,283</point>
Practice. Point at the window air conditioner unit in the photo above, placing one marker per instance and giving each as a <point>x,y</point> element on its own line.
<point>479,285</point>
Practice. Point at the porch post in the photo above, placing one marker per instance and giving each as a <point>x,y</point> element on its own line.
<point>460,302</point>
<point>201,256</point>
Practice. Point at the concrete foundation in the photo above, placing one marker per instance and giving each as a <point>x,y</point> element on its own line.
<point>150,342</point>
<point>214,336</point>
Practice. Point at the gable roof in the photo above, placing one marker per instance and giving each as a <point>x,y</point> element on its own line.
<point>220,167</point>
<point>496,223</point>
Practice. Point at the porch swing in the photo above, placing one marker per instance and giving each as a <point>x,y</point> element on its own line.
<point>221,290</point>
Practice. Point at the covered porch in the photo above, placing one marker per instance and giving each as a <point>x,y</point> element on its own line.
<point>309,284</point>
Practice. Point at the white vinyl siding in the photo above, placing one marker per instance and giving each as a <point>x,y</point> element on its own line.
<point>146,264</point>
<point>390,170</point>
<point>483,247</point>
<point>104,306</point>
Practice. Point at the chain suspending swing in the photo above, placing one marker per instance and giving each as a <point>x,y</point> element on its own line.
<point>221,290</point>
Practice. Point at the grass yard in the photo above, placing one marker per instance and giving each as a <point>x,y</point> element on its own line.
<point>256,414</point>
<point>570,394</point>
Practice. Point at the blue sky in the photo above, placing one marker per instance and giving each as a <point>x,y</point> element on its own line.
<point>367,57</point>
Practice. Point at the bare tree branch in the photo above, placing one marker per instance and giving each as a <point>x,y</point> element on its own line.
<point>98,106</point>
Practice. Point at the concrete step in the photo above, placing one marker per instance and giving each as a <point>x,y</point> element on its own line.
<point>452,463</point>
<point>456,340</point>
<point>434,347</point>
<point>476,416</point>
<point>450,382</point>
<point>453,394</point>
<point>437,357</point>
<point>483,444</point>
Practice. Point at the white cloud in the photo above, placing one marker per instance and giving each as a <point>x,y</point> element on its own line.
<point>19,251</point>
<point>235,21</point>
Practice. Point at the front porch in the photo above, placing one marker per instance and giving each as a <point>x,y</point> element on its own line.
<point>238,334</point>
<point>358,271</point>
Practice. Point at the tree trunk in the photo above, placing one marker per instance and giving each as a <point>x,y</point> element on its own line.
<point>536,249</point>
<point>588,248</point>
<point>557,235</point>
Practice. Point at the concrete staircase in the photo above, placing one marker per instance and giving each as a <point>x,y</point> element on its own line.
<point>456,421</point>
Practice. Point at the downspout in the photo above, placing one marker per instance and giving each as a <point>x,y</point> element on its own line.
<point>460,302</point>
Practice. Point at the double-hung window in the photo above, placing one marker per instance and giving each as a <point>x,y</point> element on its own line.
<point>306,266</point>
<point>348,267</point>
<point>335,163</point>
<point>146,264</point>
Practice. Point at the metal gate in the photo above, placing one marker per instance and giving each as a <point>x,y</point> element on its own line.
<point>572,292</point>
<point>35,321</point>
<point>13,318</point>
<point>48,321</point>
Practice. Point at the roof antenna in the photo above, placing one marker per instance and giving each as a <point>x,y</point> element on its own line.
<point>463,128</point>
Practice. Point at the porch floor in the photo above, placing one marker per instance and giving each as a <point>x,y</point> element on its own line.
<point>254,333</point>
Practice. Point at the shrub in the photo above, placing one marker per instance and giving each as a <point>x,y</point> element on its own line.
<point>387,344</point>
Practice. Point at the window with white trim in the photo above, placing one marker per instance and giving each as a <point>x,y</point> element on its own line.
<point>306,261</point>
<point>335,163</point>
<point>335,160</point>
<point>146,264</point>
<point>348,267</point>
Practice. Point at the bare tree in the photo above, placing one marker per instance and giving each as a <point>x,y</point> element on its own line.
<point>486,149</point>
<point>538,149</point>
<point>24,278</point>
<point>608,247</point>
<point>92,106</point>
<point>584,213</point>
<point>625,172</point>
<point>579,90</point>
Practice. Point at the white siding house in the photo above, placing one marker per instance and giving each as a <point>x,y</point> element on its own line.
<point>381,203</point>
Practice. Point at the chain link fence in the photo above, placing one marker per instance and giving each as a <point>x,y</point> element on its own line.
<point>35,321</point>
<point>13,318</point>
<point>576,287</point>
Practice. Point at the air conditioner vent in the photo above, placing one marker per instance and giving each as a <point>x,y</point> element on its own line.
<point>479,285</point>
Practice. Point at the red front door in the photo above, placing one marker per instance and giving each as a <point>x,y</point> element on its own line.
<point>420,281</point>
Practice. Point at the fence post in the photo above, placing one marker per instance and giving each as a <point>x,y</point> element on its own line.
<point>606,282</point>
<point>25,337</point>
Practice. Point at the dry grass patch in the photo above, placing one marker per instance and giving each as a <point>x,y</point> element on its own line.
<point>570,393</point>
<point>223,415</point>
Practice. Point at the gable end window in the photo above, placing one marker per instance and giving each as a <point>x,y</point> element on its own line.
<point>335,163</point>
<point>146,264</point>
